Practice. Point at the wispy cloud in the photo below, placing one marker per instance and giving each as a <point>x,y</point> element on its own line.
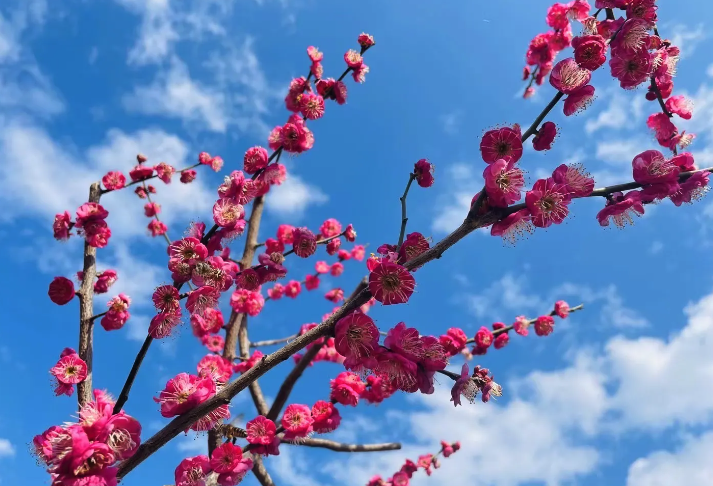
<point>6,448</point>
<point>294,196</point>
<point>452,207</point>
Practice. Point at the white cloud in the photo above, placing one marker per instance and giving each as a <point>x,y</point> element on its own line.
<point>23,86</point>
<point>42,178</point>
<point>292,468</point>
<point>450,122</point>
<point>453,207</point>
<point>175,94</point>
<point>686,37</point>
<point>236,93</point>
<point>685,360</point>
<point>193,444</point>
<point>509,293</point>
<point>6,448</point>
<point>613,311</point>
<point>690,465</point>
<point>293,197</point>
<point>656,247</point>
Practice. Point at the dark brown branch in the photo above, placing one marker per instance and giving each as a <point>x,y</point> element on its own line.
<point>255,390</point>
<point>260,472</point>
<point>533,128</point>
<point>404,217</point>
<point>286,388</point>
<point>86,309</point>
<point>341,447</point>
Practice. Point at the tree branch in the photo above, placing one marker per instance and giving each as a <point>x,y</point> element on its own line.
<point>286,388</point>
<point>342,447</point>
<point>86,309</point>
<point>404,217</point>
<point>260,472</point>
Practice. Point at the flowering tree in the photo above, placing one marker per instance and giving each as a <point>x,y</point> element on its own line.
<point>106,442</point>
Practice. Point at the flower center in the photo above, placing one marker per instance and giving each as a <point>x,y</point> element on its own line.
<point>391,282</point>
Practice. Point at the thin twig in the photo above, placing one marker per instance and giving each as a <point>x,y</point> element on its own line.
<point>505,329</point>
<point>104,191</point>
<point>404,217</point>
<point>342,447</point>
<point>272,342</point>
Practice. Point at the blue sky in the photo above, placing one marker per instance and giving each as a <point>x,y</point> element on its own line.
<point>618,394</point>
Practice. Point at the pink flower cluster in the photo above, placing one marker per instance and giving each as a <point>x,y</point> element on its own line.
<point>90,223</point>
<point>185,392</point>
<point>425,462</point>
<point>227,462</point>
<point>407,360</point>
<point>545,46</point>
<point>660,179</point>
<point>118,313</point>
<point>85,453</point>
<point>69,370</point>
<point>469,386</point>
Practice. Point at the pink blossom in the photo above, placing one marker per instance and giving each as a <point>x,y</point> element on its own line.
<point>579,100</point>
<point>165,298</point>
<point>642,9</point>
<point>681,106</point>
<point>311,282</point>
<point>358,252</point>
<point>312,106</point>
<point>567,76</point>
<point>405,341</point>
<point>69,370</point>
<point>118,313</point>
<point>577,181</point>
<point>562,309</point>
<point>521,324</point>
<point>140,173</point>
<point>631,69</point>
<point>463,386</point>
<point>227,213</point>
<point>365,40</point>
<point>578,10</point>
<point>237,188</point>
<point>122,433</point>
<point>423,172</point>
<point>214,342</point>
<point>304,242</point>
<point>484,338</point>
<point>192,471</point>
<point>353,59</point>
<point>243,366</point>
<point>184,392</point>
<point>590,51</point>
<point>397,369</point>
<point>62,225</point>
<point>692,189</point>
<point>503,183</point>
<point>544,325</point>
<point>114,180</point>
<point>346,388</point>
<point>293,289</point>
<point>414,245</point>
<point>330,227</point>
<point>557,16</point>
<point>188,176</point>
<point>545,137</point>
<point>237,474</point>
<point>335,295</point>
<point>226,457</point>
<point>390,283</point>
<point>684,161</point>
<point>513,226</point>
<point>356,336</point>
<point>651,167</point>
<point>547,202</point>
<point>202,298</point>
<point>502,143</point>
<point>621,209</point>
<point>501,340</point>
<point>157,228</point>
<point>326,417</point>
<point>260,431</point>
<point>297,421</point>
<point>662,126</point>
<point>453,341</point>
<point>277,291</point>
<point>333,246</point>
<point>540,51</point>
<point>61,290</point>
<point>336,269</point>
<point>163,324</point>
<point>104,281</point>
